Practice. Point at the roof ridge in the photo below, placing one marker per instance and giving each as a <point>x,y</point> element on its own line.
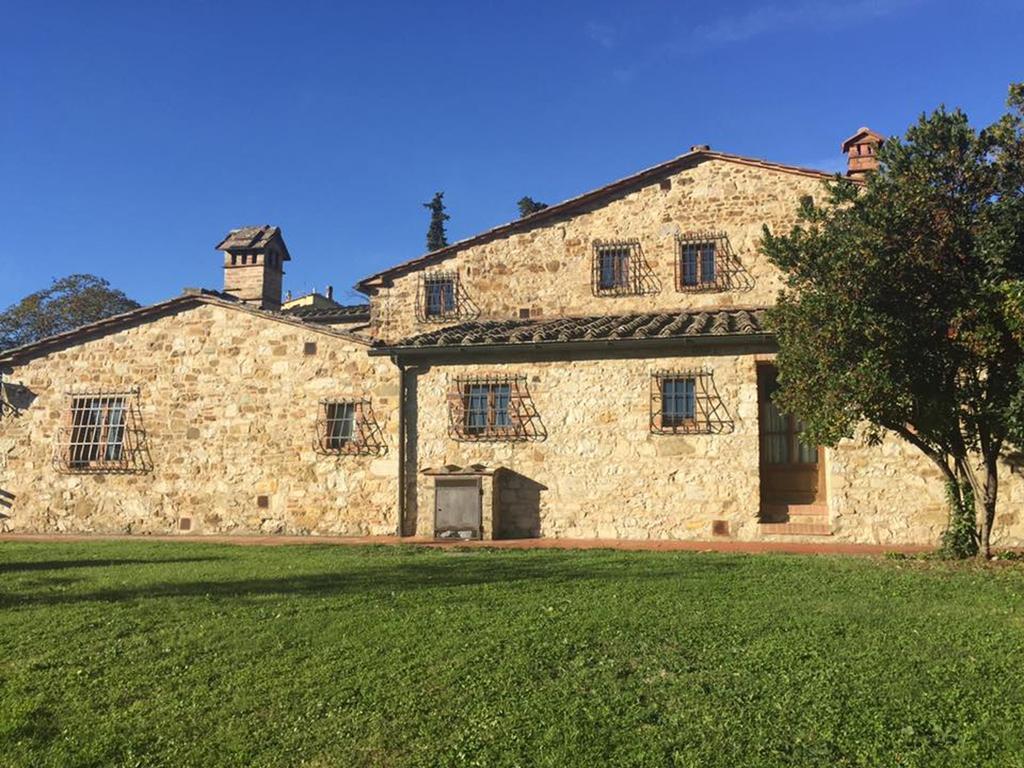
<point>569,204</point>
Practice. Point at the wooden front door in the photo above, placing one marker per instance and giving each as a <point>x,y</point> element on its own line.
<point>791,471</point>
<point>457,508</point>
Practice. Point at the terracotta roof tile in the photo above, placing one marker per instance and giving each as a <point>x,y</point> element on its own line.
<point>351,313</point>
<point>663,325</point>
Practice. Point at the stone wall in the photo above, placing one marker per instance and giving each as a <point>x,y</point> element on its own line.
<point>228,402</point>
<point>600,472</point>
<point>548,269</point>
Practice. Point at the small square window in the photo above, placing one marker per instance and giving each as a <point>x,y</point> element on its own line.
<point>97,432</point>
<point>487,408</point>
<point>703,262</point>
<point>348,427</point>
<point>492,408</point>
<point>439,296</point>
<point>698,265</point>
<point>340,425</point>
<point>309,348</point>
<point>686,402</point>
<point>613,268</point>
<point>619,269</point>
<point>678,401</point>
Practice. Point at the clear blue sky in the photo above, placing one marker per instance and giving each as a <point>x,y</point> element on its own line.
<point>134,135</point>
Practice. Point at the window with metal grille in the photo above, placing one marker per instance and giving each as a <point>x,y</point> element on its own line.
<point>686,402</point>
<point>619,269</point>
<point>492,408</point>
<point>487,408</point>
<point>341,419</point>
<point>703,263</point>
<point>613,268</point>
<point>348,427</point>
<point>439,296</point>
<point>97,430</point>
<point>102,433</point>
<point>678,401</point>
<point>7,406</point>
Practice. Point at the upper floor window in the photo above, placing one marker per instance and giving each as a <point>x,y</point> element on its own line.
<point>701,262</point>
<point>613,268</point>
<point>619,269</point>
<point>439,296</point>
<point>698,265</point>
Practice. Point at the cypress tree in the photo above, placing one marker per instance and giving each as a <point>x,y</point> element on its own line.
<point>436,236</point>
<point>528,205</point>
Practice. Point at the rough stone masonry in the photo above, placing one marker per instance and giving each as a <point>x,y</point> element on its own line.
<point>527,359</point>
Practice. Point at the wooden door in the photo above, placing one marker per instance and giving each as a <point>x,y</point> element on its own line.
<point>457,508</point>
<point>791,471</point>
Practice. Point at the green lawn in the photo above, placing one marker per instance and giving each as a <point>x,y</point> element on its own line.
<point>173,654</point>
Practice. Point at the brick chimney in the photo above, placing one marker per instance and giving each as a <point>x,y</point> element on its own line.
<point>861,152</point>
<point>254,260</point>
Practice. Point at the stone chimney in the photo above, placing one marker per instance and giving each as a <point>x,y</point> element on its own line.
<point>254,260</point>
<point>861,152</point>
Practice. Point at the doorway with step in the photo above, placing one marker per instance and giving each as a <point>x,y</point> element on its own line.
<point>792,473</point>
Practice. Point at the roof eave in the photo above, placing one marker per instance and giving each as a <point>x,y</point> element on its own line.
<point>43,346</point>
<point>646,344</point>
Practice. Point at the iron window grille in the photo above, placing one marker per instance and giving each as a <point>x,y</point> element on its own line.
<point>7,406</point>
<point>705,262</point>
<point>441,297</point>
<point>687,403</point>
<point>620,269</point>
<point>102,433</point>
<point>493,409</point>
<point>348,428</point>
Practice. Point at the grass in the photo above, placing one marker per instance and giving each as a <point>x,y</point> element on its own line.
<point>190,654</point>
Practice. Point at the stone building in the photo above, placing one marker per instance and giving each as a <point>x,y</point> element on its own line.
<point>599,368</point>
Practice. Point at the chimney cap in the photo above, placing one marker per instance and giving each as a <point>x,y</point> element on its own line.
<point>255,238</point>
<point>862,136</point>
<point>700,148</point>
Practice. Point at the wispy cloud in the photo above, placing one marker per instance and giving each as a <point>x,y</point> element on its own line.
<point>816,14</point>
<point>602,34</point>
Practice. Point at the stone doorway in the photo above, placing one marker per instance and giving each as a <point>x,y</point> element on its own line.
<point>792,473</point>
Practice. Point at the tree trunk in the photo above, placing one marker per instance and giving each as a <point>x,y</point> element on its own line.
<point>985,503</point>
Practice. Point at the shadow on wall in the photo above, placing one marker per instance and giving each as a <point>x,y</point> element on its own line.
<point>6,504</point>
<point>518,513</point>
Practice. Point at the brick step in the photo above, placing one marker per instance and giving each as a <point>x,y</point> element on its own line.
<point>795,529</point>
<point>795,513</point>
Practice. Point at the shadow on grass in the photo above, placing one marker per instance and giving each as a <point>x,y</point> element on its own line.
<point>60,565</point>
<point>385,579</point>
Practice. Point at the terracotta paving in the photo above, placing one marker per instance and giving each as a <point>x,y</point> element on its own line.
<point>721,545</point>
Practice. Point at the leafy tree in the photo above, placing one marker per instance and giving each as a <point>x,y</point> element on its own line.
<point>528,205</point>
<point>904,303</point>
<point>436,236</point>
<point>68,303</point>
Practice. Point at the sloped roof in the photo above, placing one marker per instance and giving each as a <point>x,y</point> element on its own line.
<point>191,297</point>
<point>683,324</point>
<point>350,313</point>
<point>554,212</point>
<point>252,239</point>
